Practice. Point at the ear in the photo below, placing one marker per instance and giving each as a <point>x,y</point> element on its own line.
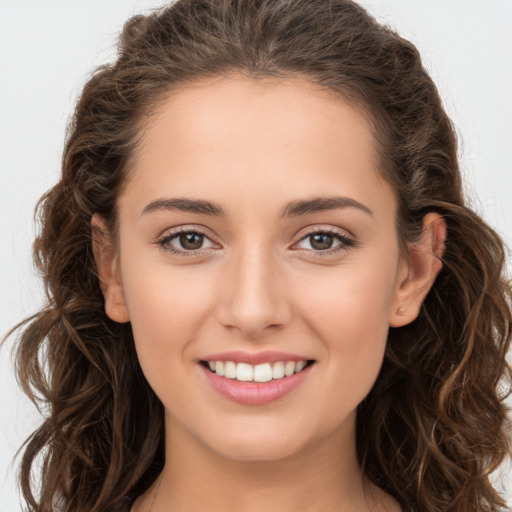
<point>107,263</point>
<point>418,271</point>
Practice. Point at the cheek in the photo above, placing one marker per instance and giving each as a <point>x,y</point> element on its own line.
<point>165,306</point>
<point>350,315</point>
<point>351,305</point>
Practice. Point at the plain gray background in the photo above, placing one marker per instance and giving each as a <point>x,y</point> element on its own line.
<point>47,50</point>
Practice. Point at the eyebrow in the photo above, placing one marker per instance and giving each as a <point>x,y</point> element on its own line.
<point>292,209</point>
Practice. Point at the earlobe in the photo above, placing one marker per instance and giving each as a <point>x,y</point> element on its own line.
<point>419,272</point>
<point>107,264</point>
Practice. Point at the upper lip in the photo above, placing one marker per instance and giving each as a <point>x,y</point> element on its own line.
<point>268,356</point>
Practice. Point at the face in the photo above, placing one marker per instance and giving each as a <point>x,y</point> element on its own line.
<point>270,274</point>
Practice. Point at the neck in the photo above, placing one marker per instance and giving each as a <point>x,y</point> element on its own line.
<point>322,476</point>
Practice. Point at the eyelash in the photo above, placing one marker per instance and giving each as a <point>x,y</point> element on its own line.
<point>345,242</point>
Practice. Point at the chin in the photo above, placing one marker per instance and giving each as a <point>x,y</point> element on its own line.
<point>257,448</point>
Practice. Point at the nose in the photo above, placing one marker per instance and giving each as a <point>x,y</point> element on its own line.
<point>252,294</point>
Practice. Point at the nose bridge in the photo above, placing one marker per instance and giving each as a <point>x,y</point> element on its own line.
<point>252,289</point>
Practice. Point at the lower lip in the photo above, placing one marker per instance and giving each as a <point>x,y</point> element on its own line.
<point>255,393</point>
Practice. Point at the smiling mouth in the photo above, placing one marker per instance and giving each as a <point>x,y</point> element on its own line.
<point>265,372</point>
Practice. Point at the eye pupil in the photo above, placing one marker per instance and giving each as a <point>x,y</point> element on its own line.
<point>324,241</point>
<point>187,240</point>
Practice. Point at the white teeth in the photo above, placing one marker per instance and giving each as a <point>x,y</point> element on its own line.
<point>278,370</point>
<point>256,373</point>
<point>289,368</point>
<point>244,372</point>
<point>230,370</point>
<point>219,368</point>
<point>299,366</point>
<point>262,372</point>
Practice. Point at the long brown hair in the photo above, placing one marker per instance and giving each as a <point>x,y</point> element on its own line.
<point>433,427</point>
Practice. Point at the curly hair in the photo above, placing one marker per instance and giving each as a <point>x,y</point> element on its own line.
<point>434,426</point>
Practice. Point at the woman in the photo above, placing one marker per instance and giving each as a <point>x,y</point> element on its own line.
<point>265,287</point>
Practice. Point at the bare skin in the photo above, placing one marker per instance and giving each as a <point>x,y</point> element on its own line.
<point>258,282</point>
<point>277,485</point>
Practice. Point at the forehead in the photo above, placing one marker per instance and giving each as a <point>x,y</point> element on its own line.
<point>258,111</point>
<point>236,135</point>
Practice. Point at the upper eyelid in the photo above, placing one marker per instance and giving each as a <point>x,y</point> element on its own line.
<point>336,230</point>
<point>202,231</point>
<point>171,232</point>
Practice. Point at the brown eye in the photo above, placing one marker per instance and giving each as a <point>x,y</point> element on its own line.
<point>324,242</point>
<point>321,241</point>
<point>185,242</point>
<point>191,241</point>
